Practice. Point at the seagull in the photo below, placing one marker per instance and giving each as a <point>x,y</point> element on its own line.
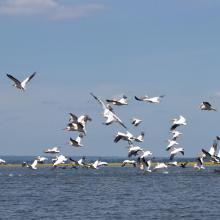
<point>144,165</point>
<point>81,119</point>
<point>144,154</point>
<point>2,161</point>
<point>32,166</point>
<point>212,153</point>
<point>53,150</point>
<point>124,136</point>
<point>135,121</point>
<point>118,101</point>
<point>75,127</point>
<point>132,162</point>
<point>199,163</point>
<point>133,150</point>
<point>171,144</point>
<point>146,98</point>
<point>178,122</point>
<point>176,134</point>
<point>18,84</point>
<point>108,113</point>
<point>77,141</point>
<point>160,166</point>
<point>174,151</point>
<point>206,106</point>
<point>98,164</point>
<point>78,123</point>
<point>139,138</point>
<point>128,137</point>
<point>81,162</point>
<point>41,160</point>
<point>60,160</point>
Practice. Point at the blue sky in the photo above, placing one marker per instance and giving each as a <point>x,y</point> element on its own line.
<point>108,48</point>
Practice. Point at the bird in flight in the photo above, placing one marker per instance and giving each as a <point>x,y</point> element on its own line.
<point>146,98</point>
<point>21,84</point>
<point>108,113</point>
<point>206,106</point>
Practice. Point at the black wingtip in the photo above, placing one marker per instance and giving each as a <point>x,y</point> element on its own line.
<point>137,98</point>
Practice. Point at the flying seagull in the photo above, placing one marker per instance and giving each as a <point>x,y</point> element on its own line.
<point>21,84</point>
<point>178,122</point>
<point>53,150</point>
<point>76,142</point>
<point>2,161</point>
<point>131,162</point>
<point>174,151</point>
<point>135,121</point>
<point>206,106</point>
<point>118,101</point>
<point>176,134</point>
<point>146,98</point>
<point>108,113</point>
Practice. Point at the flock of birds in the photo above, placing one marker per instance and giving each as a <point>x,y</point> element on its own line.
<point>137,156</point>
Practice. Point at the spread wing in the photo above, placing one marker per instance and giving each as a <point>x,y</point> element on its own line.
<point>24,82</point>
<point>13,79</point>
<point>99,100</point>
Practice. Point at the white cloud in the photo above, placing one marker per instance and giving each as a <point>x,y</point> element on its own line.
<point>49,8</point>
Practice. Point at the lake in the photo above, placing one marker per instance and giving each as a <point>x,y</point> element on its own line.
<point>109,193</point>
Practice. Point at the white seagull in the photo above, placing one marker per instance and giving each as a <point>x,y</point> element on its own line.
<point>21,84</point>
<point>75,127</point>
<point>2,161</point>
<point>124,136</point>
<point>206,106</point>
<point>32,166</point>
<point>176,134</point>
<point>81,119</point>
<point>174,151</point>
<point>178,122</point>
<point>131,162</point>
<point>41,159</point>
<point>98,164</point>
<point>144,165</point>
<point>60,160</point>
<point>171,144</point>
<point>160,166</point>
<point>212,153</point>
<point>134,150</point>
<point>108,113</point>
<point>118,101</point>
<point>146,98</point>
<point>81,162</point>
<point>199,163</point>
<point>77,141</point>
<point>135,121</point>
<point>53,150</point>
<point>139,138</point>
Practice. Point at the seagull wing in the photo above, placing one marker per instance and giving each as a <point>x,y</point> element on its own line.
<point>73,118</point>
<point>207,104</point>
<point>13,79</point>
<point>174,127</point>
<point>119,121</point>
<point>34,164</point>
<point>140,98</point>
<point>24,82</point>
<point>99,100</point>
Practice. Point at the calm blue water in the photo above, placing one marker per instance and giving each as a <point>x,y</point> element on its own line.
<point>108,193</point>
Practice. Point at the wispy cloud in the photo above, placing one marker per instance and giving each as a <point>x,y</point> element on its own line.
<point>48,8</point>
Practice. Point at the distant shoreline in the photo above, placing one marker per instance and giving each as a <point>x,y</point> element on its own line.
<point>112,164</point>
